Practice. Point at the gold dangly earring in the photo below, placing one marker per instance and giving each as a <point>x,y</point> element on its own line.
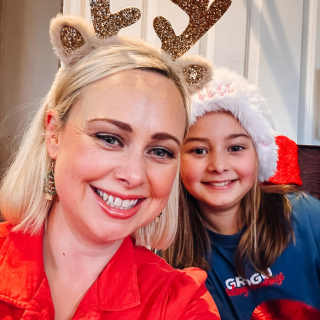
<point>49,186</point>
<point>157,219</point>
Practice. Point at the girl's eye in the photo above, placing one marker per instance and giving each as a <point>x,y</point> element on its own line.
<point>199,151</point>
<point>161,153</point>
<point>108,139</point>
<point>236,148</point>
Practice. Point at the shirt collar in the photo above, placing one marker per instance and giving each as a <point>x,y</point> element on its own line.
<point>118,283</point>
<point>22,273</point>
<point>226,240</point>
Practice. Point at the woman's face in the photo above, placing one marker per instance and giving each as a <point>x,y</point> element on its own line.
<point>218,162</point>
<point>117,156</point>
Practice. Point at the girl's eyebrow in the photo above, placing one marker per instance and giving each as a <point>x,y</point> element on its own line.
<point>196,139</point>
<point>237,135</point>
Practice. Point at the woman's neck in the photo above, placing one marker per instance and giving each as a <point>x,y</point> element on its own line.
<point>225,220</point>
<point>72,263</point>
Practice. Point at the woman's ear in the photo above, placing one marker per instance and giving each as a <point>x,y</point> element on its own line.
<point>52,134</point>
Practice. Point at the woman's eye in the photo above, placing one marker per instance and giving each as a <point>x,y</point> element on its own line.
<point>199,151</point>
<point>108,139</point>
<point>162,153</point>
<point>236,148</point>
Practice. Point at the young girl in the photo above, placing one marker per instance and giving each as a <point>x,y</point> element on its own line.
<point>259,244</point>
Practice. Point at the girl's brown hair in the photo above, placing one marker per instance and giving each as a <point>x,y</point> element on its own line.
<point>266,213</point>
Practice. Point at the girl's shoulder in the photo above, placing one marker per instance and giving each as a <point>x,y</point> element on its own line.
<point>306,217</point>
<point>304,205</point>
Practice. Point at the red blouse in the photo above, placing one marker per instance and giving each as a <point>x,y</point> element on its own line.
<point>136,284</point>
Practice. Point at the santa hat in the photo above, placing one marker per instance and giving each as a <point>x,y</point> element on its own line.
<point>288,171</point>
<point>228,91</point>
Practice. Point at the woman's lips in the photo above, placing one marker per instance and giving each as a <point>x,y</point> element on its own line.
<point>118,213</point>
<point>220,185</point>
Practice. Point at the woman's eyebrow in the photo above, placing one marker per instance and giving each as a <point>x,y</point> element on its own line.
<point>122,125</point>
<point>160,136</point>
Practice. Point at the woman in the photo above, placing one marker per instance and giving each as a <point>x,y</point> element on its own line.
<point>109,134</point>
<point>259,244</point>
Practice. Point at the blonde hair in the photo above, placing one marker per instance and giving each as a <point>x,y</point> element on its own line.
<point>22,200</point>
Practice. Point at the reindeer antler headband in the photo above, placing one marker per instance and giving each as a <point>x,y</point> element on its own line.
<point>73,38</point>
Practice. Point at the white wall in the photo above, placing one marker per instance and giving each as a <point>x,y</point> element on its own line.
<point>27,65</point>
<point>274,43</point>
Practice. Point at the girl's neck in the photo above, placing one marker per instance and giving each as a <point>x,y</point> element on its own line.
<point>225,221</point>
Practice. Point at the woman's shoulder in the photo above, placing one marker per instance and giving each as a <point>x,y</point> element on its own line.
<point>5,229</point>
<point>147,260</point>
<point>184,288</point>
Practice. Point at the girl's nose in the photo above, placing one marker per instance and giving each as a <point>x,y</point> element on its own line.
<point>218,162</point>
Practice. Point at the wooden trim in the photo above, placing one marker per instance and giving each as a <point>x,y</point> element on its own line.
<point>149,12</point>
<point>307,74</point>
<point>310,73</point>
<point>206,45</point>
<point>252,54</point>
<point>308,147</point>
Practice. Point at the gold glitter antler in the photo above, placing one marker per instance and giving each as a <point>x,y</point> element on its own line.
<point>107,24</point>
<point>201,20</point>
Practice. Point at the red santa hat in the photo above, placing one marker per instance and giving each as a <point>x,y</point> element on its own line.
<point>288,171</point>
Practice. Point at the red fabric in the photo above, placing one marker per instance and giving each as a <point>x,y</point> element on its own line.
<point>288,171</point>
<point>284,309</point>
<point>136,284</point>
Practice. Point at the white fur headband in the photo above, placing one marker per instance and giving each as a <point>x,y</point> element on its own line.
<point>228,91</point>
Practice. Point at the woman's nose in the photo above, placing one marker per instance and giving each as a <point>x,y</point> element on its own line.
<point>218,162</point>
<point>132,170</point>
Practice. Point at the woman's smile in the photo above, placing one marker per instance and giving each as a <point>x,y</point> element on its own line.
<point>118,206</point>
<point>118,155</point>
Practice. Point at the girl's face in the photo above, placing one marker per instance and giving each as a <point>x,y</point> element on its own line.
<point>117,156</point>
<point>218,162</point>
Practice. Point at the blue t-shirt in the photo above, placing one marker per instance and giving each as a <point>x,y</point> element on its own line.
<point>294,290</point>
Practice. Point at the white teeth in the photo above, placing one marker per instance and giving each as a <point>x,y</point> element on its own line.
<point>126,203</point>
<point>221,184</point>
<point>117,202</point>
<point>110,200</point>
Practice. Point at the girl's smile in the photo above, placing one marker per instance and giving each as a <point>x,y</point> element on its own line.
<point>218,163</point>
<point>220,185</point>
